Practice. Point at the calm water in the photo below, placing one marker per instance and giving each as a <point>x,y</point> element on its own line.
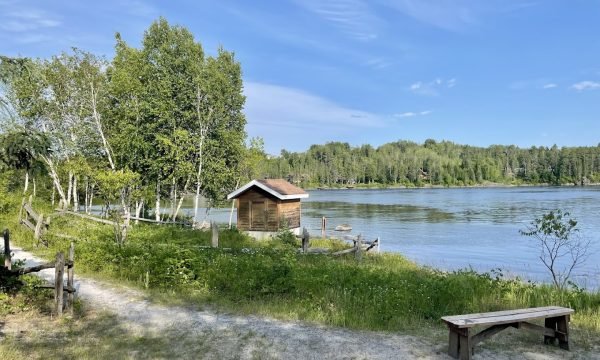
<point>458,228</point>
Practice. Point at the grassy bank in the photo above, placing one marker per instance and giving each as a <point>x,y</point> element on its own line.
<point>382,292</point>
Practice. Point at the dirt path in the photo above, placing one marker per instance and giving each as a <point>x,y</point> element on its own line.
<point>250,337</point>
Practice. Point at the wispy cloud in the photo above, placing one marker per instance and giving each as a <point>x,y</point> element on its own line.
<point>586,85</point>
<point>549,86</point>
<point>454,15</point>
<point>412,114</point>
<point>289,107</point>
<point>378,63</point>
<point>446,14</point>
<point>432,88</point>
<point>291,118</point>
<point>27,20</point>
<point>353,17</point>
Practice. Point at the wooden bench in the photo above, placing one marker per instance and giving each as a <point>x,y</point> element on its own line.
<point>462,342</point>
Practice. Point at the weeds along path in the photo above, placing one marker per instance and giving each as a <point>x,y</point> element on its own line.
<point>248,337</point>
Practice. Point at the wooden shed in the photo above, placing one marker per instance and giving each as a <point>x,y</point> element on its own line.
<point>267,206</point>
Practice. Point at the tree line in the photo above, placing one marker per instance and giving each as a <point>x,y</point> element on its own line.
<point>152,123</point>
<point>406,163</point>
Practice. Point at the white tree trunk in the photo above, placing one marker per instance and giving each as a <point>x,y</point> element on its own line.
<point>26,186</point>
<point>96,117</point>
<point>91,198</point>
<point>185,187</point>
<point>138,209</point>
<point>157,208</point>
<point>173,199</point>
<point>75,195</point>
<point>55,179</point>
<point>34,187</point>
<point>198,176</point>
<point>237,184</point>
<point>69,190</point>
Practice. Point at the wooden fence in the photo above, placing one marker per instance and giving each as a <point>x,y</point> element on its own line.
<point>59,271</point>
<point>358,248</point>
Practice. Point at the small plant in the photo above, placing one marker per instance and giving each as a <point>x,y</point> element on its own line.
<point>287,237</point>
<point>562,248</point>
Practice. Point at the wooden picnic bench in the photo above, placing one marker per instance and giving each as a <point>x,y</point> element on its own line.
<point>462,342</point>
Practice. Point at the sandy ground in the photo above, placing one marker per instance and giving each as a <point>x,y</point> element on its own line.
<point>249,337</point>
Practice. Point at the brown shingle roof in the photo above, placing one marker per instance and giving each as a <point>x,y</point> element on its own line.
<point>282,186</point>
<point>279,188</point>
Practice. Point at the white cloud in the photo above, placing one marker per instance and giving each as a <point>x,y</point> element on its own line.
<point>586,85</point>
<point>289,118</point>
<point>412,114</point>
<point>352,17</point>
<point>549,86</point>
<point>378,63</point>
<point>27,20</point>
<point>280,106</point>
<point>445,14</point>
<point>431,88</point>
<point>406,114</point>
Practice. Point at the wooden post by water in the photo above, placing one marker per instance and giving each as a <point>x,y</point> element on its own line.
<point>305,240</point>
<point>59,272</point>
<point>7,259</point>
<point>323,226</point>
<point>215,234</point>
<point>70,277</point>
<point>358,253</point>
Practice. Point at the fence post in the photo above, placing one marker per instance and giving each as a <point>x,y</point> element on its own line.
<point>305,240</point>
<point>358,252</point>
<point>323,226</point>
<point>59,272</point>
<point>215,234</point>
<point>38,227</point>
<point>7,259</point>
<point>70,277</point>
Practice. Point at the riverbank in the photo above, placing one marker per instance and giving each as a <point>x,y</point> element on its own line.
<point>383,292</point>
<point>433,186</point>
<point>122,322</point>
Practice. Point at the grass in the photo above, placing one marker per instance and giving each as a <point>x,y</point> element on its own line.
<point>382,292</point>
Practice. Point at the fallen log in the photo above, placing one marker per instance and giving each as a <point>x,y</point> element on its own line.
<point>342,252</point>
<point>88,217</point>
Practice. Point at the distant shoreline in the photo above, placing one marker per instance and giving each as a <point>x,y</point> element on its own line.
<point>429,186</point>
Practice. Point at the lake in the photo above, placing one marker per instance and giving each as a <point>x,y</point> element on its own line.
<point>458,227</point>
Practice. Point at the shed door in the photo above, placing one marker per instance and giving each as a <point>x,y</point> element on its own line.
<point>258,216</point>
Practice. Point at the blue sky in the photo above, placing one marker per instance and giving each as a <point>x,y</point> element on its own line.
<point>477,72</point>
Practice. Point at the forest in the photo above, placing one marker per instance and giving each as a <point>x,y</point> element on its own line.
<point>444,163</point>
<point>151,124</point>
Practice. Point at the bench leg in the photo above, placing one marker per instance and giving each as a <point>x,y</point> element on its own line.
<point>550,323</point>
<point>460,344</point>
<point>453,344</point>
<point>562,325</point>
<point>465,348</point>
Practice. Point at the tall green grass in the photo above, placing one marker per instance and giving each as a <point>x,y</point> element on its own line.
<point>382,292</point>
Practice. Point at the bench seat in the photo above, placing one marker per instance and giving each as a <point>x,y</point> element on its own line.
<point>462,342</point>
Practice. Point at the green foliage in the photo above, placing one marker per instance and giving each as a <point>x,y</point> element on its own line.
<point>562,248</point>
<point>287,237</point>
<point>405,163</point>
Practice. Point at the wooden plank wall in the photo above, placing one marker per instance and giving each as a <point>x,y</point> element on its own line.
<point>260,211</point>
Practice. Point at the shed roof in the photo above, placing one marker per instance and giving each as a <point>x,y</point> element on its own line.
<point>279,188</point>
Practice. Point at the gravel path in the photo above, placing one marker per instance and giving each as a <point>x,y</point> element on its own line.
<point>249,337</point>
